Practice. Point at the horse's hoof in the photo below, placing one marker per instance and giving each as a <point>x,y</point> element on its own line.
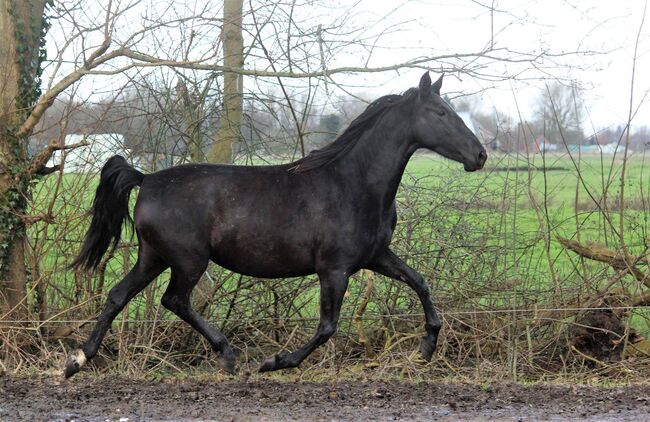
<point>270,364</point>
<point>74,363</point>
<point>227,363</point>
<point>427,347</point>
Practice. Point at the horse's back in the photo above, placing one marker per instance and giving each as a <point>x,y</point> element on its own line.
<point>254,220</point>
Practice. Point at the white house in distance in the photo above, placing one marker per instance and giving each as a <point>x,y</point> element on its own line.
<point>486,138</point>
<point>90,158</point>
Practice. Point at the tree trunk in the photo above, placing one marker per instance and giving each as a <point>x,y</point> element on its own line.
<point>229,132</point>
<point>21,25</point>
<point>192,122</point>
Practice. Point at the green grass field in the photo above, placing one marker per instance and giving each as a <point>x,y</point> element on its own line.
<point>484,240</point>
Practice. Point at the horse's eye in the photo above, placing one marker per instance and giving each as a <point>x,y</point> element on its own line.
<point>441,112</point>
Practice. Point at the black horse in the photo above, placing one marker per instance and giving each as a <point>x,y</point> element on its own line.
<point>331,213</point>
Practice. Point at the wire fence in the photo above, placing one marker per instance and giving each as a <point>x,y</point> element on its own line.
<point>366,316</point>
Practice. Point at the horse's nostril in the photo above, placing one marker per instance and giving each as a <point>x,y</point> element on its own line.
<point>482,156</point>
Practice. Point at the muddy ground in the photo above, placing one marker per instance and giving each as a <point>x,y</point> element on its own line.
<point>117,399</point>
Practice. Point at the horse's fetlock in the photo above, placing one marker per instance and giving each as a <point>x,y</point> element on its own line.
<point>227,362</point>
<point>427,348</point>
<point>435,327</point>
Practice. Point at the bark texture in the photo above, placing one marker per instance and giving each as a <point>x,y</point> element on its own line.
<point>229,132</point>
<point>21,25</point>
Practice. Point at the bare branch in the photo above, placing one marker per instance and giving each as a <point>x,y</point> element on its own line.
<point>39,161</point>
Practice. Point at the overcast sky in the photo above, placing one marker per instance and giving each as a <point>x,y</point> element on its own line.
<point>605,28</point>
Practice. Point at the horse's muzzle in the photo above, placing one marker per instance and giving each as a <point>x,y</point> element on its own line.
<point>480,162</point>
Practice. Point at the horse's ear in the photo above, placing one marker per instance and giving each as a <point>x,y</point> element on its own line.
<point>437,85</point>
<point>425,85</point>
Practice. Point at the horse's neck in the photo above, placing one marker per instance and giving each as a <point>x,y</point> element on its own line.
<point>380,156</point>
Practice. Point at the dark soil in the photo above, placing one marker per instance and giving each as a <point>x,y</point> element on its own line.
<point>117,399</point>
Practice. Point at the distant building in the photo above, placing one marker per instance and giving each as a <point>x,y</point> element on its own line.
<point>608,149</point>
<point>92,157</point>
<point>486,137</point>
<point>543,145</point>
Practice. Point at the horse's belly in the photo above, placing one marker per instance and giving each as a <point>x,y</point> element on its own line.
<point>263,259</point>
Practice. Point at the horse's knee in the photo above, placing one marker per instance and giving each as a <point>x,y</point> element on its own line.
<point>420,285</point>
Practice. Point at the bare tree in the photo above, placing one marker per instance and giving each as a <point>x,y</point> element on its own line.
<point>559,113</point>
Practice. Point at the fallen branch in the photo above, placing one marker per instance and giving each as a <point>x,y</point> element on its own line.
<point>615,259</point>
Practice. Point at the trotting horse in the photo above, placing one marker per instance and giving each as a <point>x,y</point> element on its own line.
<point>331,213</point>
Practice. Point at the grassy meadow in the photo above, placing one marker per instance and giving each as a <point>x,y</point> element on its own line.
<point>511,211</point>
<point>485,241</point>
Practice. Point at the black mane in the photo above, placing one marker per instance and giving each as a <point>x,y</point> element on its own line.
<point>344,143</point>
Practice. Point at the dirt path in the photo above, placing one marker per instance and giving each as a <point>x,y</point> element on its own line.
<point>118,399</point>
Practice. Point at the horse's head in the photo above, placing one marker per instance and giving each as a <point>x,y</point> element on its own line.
<point>438,127</point>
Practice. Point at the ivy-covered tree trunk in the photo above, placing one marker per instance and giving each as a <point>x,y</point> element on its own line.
<point>22,30</point>
<point>229,132</point>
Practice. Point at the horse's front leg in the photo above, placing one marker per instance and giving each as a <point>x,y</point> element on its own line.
<point>392,266</point>
<point>333,285</point>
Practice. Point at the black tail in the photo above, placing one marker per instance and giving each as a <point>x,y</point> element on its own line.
<point>110,210</point>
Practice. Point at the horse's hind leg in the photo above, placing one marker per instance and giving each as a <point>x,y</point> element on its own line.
<point>177,300</point>
<point>333,285</point>
<point>392,266</point>
<point>143,272</point>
